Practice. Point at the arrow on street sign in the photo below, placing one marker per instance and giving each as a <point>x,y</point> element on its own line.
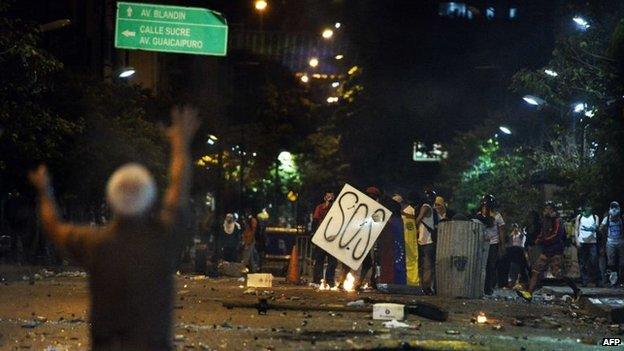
<point>127,33</point>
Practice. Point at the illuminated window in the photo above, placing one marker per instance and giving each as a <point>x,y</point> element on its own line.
<point>452,9</point>
<point>513,12</point>
<point>489,13</point>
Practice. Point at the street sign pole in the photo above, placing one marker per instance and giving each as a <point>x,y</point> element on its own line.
<point>177,29</point>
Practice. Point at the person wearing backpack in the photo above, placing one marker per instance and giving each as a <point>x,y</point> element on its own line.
<point>612,226</point>
<point>427,222</point>
<point>585,230</point>
<point>551,239</point>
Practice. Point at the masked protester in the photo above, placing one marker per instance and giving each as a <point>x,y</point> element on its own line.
<point>131,260</point>
<point>517,256</point>
<point>612,226</point>
<point>586,229</point>
<point>494,232</point>
<point>371,263</point>
<point>551,238</point>
<point>319,254</point>
<point>427,222</point>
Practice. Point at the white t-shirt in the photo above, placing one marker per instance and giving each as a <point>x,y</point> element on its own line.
<point>424,235</point>
<point>491,233</point>
<point>586,230</point>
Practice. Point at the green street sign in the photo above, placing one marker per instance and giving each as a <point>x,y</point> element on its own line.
<point>186,30</point>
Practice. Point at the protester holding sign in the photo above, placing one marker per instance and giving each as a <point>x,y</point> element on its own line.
<point>319,254</point>
<point>392,247</point>
<point>410,234</point>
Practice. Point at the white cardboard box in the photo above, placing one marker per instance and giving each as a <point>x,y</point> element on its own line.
<point>388,311</point>
<point>259,280</point>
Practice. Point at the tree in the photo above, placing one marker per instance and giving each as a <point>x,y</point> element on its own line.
<point>589,66</point>
<point>30,131</point>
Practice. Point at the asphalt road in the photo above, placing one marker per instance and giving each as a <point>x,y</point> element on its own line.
<point>51,313</point>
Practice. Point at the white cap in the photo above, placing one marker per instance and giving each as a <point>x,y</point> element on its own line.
<point>131,190</point>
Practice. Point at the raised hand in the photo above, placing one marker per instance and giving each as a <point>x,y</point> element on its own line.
<point>184,124</point>
<point>39,178</point>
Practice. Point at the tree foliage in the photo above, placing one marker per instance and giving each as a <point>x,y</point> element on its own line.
<point>585,161</point>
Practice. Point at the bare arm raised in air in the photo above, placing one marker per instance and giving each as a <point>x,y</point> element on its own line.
<point>56,229</point>
<point>183,127</point>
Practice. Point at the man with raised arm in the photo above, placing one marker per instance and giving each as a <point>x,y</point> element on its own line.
<point>132,259</point>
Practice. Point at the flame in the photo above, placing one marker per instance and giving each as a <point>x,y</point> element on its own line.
<point>349,283</point>
<point>323,285</point>
<point>481,318</point>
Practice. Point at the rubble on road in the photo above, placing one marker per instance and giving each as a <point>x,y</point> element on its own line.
<point>74,274</point>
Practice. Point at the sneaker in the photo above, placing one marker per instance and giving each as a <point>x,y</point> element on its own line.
<point>577,295</point>
<point>526,295</point>
<point>613,277</point>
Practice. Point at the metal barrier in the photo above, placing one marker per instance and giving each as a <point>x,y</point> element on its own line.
<point>301,239</point>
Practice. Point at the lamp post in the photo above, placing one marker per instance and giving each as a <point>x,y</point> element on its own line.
<point>261,6</point>
<point>564,110</point>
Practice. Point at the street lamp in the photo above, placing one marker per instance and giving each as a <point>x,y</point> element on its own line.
<point>54,25</point>
<point>339,57</point>
<point>505,130</point>
<point>212,139</point>
<point>313,62</point>
<point>581,23</point>
<point>126,72</point>
<point>533,100</point>
<point>337,25</point>
<point>335,84</point>
<point>327,33</point>
<point>304,78</point>
<point>551,72</point>
<point>261,5</point>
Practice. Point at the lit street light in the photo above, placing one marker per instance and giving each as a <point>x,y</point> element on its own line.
<point>126,72</point>
<point>328,33</point>
<point>505,130</point>
<point>212,139</point>
<point>533,100</point>
<point>337,25</point>
<point>339,57</point>
<point>313,62</point>
<point>551,72</point>
<point>335,84</point>
<point>332,99</point>
<point>304,78</point>
<point>581,23</point>
<point>261,5</point>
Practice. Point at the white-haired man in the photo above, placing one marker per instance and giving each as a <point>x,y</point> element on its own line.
<point>132,259</point>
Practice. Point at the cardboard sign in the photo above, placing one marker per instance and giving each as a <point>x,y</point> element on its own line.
<point>351,227</point>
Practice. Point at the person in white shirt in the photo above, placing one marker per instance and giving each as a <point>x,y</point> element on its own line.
<point>517,256</point>
<point>426,223</point>
<point>585,230</point>
<point>494,232</point>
